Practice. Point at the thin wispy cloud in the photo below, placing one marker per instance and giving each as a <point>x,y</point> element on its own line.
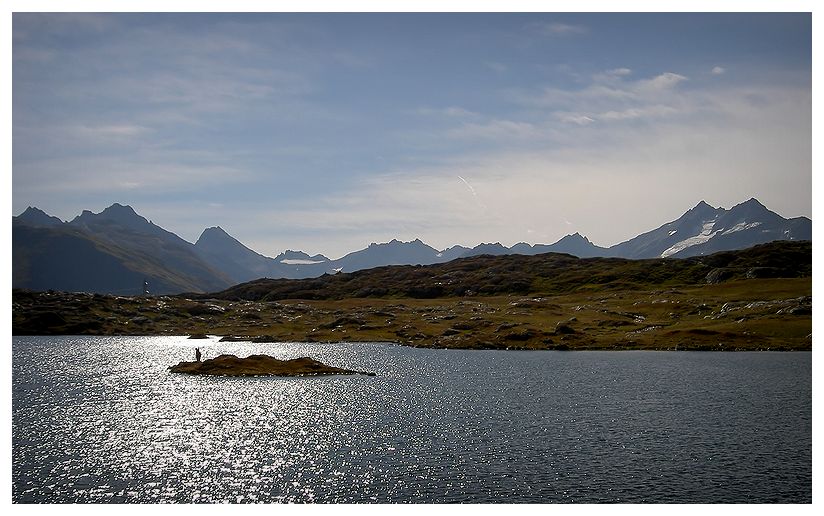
<point>451,111</point>
<point>633,113</point>
<point>574,118</point>
<point>496,66</point>
<point>660,82</point>
<point>117,131</point>
<point>619,72</point>
<point>620,99</point>
<point>153,176</point>
<point>496,130</point>
<point>559,29</point>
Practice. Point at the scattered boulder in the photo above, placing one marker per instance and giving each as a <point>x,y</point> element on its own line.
<point>343,321</point>
<point>40,323</point>
<point>718,275</point>
<point>764,272</point>
<point>564,327</point>
<point>520,336</point>
<point>232,338</point>
<point>265,339</point>
<point>465,325</point>
<point>801,310</point>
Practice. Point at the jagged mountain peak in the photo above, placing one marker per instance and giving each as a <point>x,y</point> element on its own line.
<point>752,201</point>
<point>223,250</point>
<point>214,237</point>
<point>121,212</point>
<point>291,254</point>
<point>753,206</point>
<point>394,252</point>
<point>750,212</point>
<point>37,217</point>
<point>701,209</point>
<point>118,213</point>
<point>119,208</point>
<point>216,241</point>
<point>575,237</point>
<point>31,210</point>
<point>397,243</point>
<point>213,232</point>
<point>488,248</point>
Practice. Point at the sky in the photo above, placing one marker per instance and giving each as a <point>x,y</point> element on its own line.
<point>327,132</point>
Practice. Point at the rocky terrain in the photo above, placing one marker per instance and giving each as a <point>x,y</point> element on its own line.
<point>756,299</point>
<point>755,314</point>
<point>259,365</point>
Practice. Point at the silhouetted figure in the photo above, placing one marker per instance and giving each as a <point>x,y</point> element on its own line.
<point>197,354</point>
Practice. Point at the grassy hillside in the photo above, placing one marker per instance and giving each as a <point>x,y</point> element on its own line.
<point>755,299</point>
<point>71,259</point>
<point>544,274</point>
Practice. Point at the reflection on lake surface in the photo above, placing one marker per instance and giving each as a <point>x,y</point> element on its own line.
<point>100,419</point>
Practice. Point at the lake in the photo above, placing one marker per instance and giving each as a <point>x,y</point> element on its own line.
<point>100,419</point>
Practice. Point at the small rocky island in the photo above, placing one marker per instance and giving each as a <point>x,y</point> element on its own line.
<point>260,365</point>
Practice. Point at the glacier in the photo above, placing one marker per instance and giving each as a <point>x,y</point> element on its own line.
<point>705,234</point>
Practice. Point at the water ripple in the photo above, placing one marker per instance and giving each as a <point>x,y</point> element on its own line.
<point>102,420</point>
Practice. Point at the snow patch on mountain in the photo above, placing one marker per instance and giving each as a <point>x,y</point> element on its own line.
<point>705,234</point>
<point>296,261</point>
<point>741,226</point>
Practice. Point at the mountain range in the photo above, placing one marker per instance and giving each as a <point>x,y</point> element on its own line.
<point>117,250</point>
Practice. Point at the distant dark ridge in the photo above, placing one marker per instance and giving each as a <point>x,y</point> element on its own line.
<point>543,274</point>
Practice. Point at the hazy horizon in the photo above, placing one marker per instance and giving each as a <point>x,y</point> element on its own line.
<point>363,245</point>
<point>325,132</point>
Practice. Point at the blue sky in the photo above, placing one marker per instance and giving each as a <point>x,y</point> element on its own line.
<point>325,132</point>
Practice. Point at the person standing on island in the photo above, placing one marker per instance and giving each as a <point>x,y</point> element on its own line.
<point>197,354</point>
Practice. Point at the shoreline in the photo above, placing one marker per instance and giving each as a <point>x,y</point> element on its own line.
<point>434,348</point>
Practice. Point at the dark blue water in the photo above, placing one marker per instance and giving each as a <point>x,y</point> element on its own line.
<point>100,419</point>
